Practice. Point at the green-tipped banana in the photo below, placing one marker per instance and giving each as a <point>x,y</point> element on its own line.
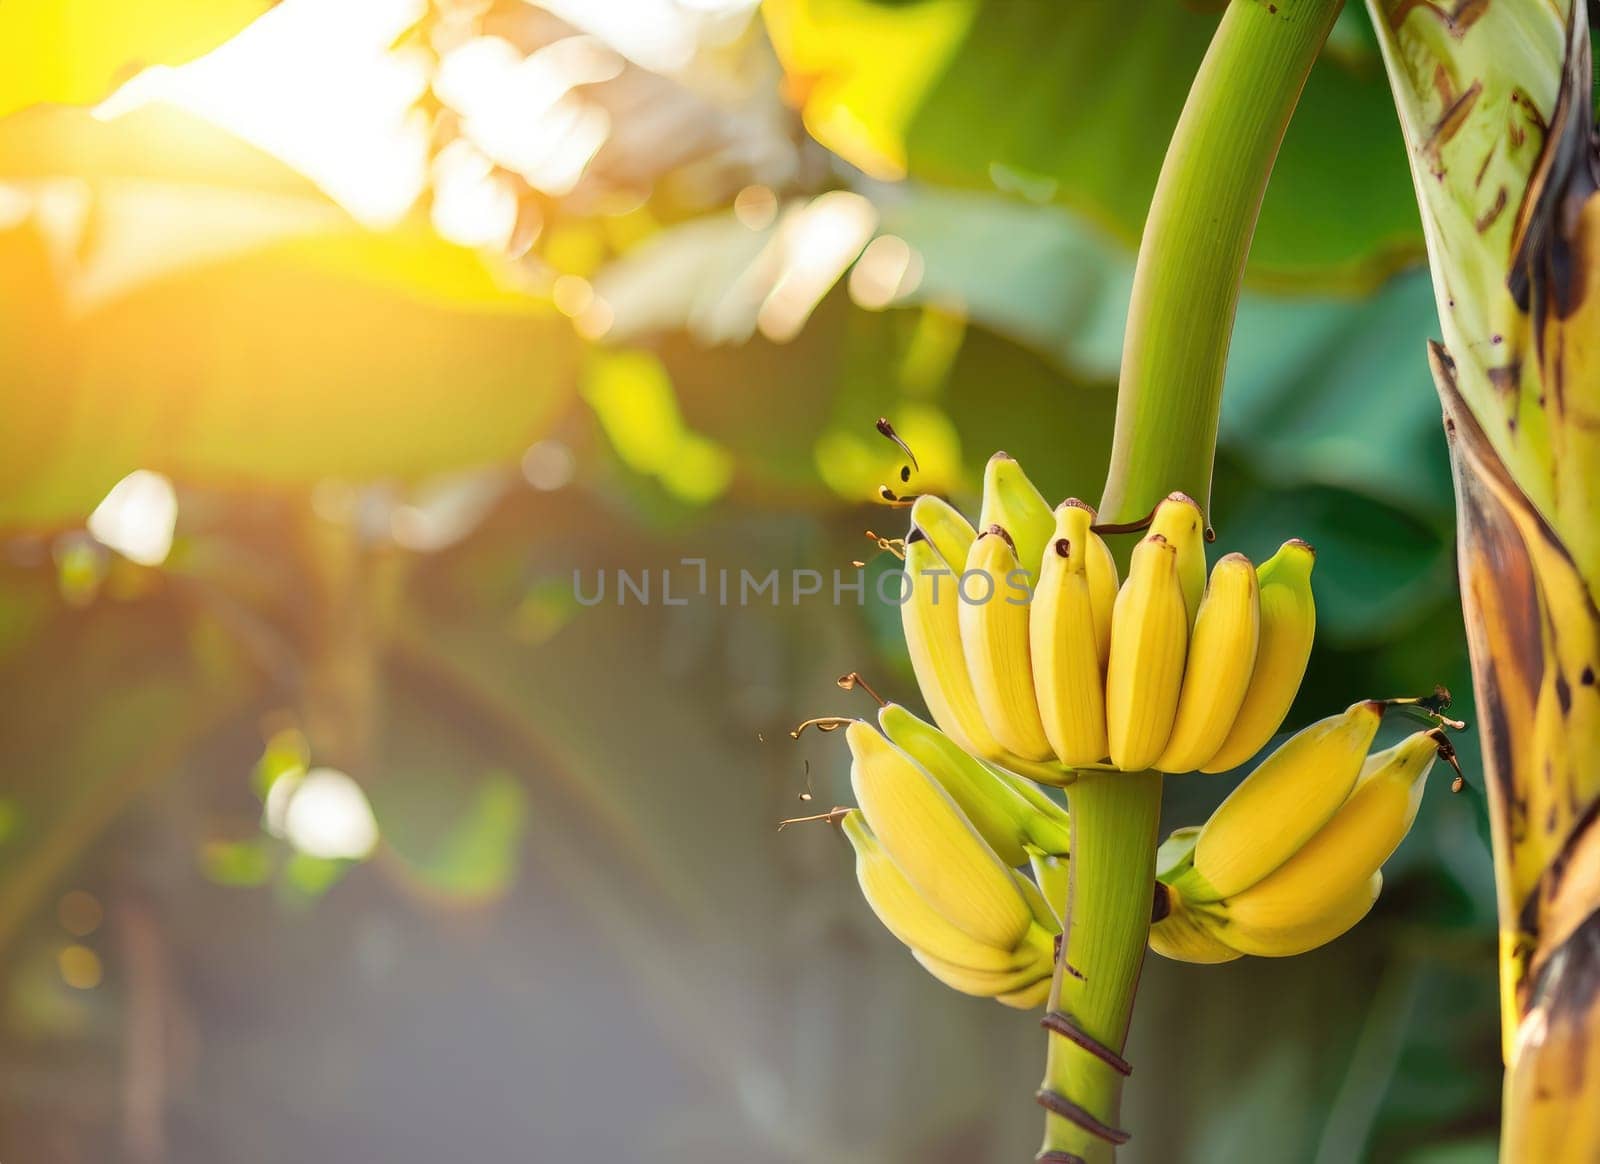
<point>1149,638</point>
<point>907,915</point>
<point>1012,502</point>
<point>1043,912</point>
<point>1049,829</point>
<point>942,524</point>
<point>994,802</point>
<point>1288,623</point>
<point>1054,876</point>
<point>1179,520</point>
<point>1280,806</point>
<point>1176,853</point>
<point>931,841</point>
<point>1068,678</point>
<point>1222,655</point>
<point>1335,864</point>
<point>994,637</point>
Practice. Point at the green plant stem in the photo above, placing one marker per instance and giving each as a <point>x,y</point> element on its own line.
<point>1115,819</point>
<point>1192,255</point>
<point>1180,320</point>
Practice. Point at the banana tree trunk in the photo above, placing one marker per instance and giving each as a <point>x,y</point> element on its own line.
<point>1495,102</point>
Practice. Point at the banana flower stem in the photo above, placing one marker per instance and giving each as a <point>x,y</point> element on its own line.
<point>1192,255</point>
<point>1175,351</point>
<point>1115,821</point>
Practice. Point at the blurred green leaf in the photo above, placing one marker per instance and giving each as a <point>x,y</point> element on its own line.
<point>1036,274</point>
<point>631,393</point>
<point>1075,103</point>
<point>287,753</point>
<point>305,878</point>
<point>1481,1151</point>
<point>238,864</point>
<point>1336,392</point>
<point>275,343</point>
<point>1377,568</point>
<point>10,821</point>
<point>476,859</point>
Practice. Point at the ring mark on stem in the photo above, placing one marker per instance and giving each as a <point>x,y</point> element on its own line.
<point>1063,1024</point>
<point>1062,1106</point>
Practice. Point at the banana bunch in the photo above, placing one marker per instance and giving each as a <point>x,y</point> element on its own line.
<point>937,839</point>
<point>1031,653</point>
<point>1290,860</point>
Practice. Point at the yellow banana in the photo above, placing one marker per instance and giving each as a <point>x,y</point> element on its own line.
<point>931,620</point>
<point>942,524</point>
<point>1028,997</point>
<point>1103,590</point>
<point>1099,564</point>
<point>1345,852</point>
<point>995,803</point>
<point>931,841</point>
<point>1179,520</point>
<point>985,983</point>
<point>994,638</point>
<point>1184,936</point>
<point>1222,655</point>
<point>1149,637</point>
<point>1279,807</point>
<point>909,916</point>
<point>1011,502</point>
<point>1288,623</point>
<point>1067,676</point>
<point>1278,930</point>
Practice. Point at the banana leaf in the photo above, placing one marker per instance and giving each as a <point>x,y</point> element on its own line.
<point>1495,103</point>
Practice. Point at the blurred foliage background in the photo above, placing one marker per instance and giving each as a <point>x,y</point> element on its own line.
<point>339,336</point>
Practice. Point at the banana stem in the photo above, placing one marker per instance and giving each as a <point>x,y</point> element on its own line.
<point>1192,255</point>
<point>1175,351</point>
<point>1115,819</point>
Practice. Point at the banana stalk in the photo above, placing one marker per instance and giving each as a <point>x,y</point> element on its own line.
<point>1495,104</point>
<point>1180,320</point>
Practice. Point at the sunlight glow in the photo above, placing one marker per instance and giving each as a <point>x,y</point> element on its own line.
<point>322,814</point>
<point>888,269</point>
<point>572,295</point>
<point>817,242</point>
<point>756,207</point>
<point>137,518</point>
<point>472,205</point>
<point>80,967</point>
<point>319,86</point>
<point>548,465</point>
<point>660,35</point>
<point>522,112</point>
<point>446,509</point>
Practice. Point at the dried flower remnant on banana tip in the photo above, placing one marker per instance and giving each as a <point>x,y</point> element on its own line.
<point>1172,668</point>
<point>1292,858</point>
<point>1165,669</point>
